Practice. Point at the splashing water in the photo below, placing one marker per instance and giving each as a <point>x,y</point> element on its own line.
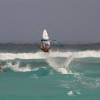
<point>16,67</point>
<point>58,60</point>
<point>60,64</point>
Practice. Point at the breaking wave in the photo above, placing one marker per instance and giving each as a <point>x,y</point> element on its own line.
<point>17,68</point>
<point>42,55</point>
<point>58,60</point>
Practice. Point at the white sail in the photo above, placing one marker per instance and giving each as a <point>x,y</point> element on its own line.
<point>45,42</point>
<point>45,35</point>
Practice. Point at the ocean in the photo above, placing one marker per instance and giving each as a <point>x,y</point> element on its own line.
<point>67,72</point>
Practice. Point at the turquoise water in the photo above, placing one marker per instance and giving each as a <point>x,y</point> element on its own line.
<point>58,75</point>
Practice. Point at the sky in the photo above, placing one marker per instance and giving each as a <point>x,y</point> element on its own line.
<point>22,21</point>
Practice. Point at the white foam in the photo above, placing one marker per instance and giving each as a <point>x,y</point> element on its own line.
<point>42,55</point>
<point>16,67</point>
<point>73,93</point>
<point>11,56</point>
<point>70,93</point>
<point>51,58</point>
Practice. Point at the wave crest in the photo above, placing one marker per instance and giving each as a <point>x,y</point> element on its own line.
<point>42,55</point>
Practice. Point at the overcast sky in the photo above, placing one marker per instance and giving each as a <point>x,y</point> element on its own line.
<point>65,20</point>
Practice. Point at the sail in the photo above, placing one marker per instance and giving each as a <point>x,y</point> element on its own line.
<point>45,42</point>
<point>45,35</point>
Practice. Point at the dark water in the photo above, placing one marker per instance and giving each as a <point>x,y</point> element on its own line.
<point>67,72</point>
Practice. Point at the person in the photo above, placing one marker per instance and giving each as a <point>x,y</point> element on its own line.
<point>45,43</point>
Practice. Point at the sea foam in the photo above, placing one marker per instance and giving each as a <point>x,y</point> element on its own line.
<point>52,54</point>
